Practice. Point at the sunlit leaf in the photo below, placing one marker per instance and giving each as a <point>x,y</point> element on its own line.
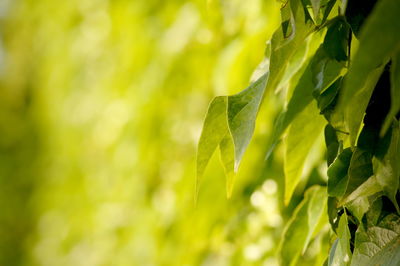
<point>229,123</point>
<point>215,128</point>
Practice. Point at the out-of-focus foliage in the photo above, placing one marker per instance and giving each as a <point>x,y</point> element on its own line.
<point>101,105</point>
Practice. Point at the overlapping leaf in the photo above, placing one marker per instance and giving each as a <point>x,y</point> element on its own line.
<point>378,245</point>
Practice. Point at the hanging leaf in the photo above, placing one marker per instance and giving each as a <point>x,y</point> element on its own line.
<point>340,254</point>
<point>380,30</point>
<point>215,129</point>
<point>229,123</point>
<point>302,225</point>
<point>301,136</point>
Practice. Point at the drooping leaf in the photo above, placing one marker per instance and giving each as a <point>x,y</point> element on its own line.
<point>215,128</point>
<point>379,30</point>
<point>378,245</point>
<point>338,174</point>
<point>229,124</point>
<point>386,165</point>
<point>302,225</point>
<point>242,112</point>
<point>394,92</point>
<point>340,254</point>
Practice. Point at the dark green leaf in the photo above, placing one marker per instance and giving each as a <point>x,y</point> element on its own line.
<point>337,39</point>
<point>338,174</point>
<point>332,144</point>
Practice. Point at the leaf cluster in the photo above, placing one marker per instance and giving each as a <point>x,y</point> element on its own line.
<point>337,65</point>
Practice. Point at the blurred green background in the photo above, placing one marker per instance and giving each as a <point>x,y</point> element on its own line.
<point>101,108</point>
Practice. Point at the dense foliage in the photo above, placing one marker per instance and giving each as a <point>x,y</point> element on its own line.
<point>334,68</point>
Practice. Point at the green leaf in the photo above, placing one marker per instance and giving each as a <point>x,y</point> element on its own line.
<point>386,166</point>
<point>368,188</point>
<point>215,129</point>
<point>325,70</point>
<point>300,138</point>
<point>378,41</point>
<point>327,99</point>
<point>359,201</point>
<point>338,174</point>
<point>332,144</point>
<point>229,124</point>
<point>302,225</point>
<point>378,245</point>
<point>394,92</point>
<point>242,112</point>
<point>340,254</point>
